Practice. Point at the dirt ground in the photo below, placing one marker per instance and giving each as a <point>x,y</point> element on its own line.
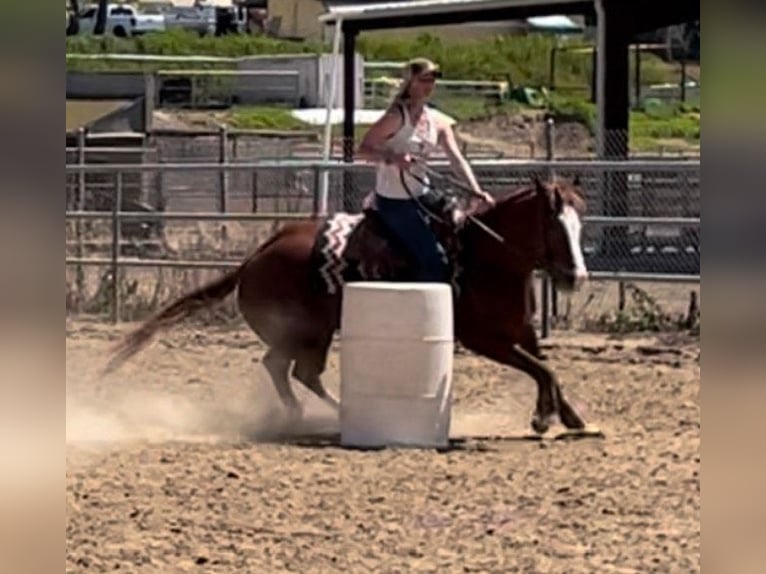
<point>183,462</point>
<point>520,135</point>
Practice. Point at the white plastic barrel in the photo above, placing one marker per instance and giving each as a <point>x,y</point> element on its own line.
<point>396,364</point>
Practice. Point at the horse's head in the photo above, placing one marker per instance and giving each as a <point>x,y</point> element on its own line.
<point>540,226</point>
<point>563,259</point>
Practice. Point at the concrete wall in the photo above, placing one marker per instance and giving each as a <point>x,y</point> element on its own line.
<point>130,118</point>
<point>104,85</point>
<point>314,72</point>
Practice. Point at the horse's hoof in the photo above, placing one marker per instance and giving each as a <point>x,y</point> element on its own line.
<point>540,424</point>
<point>573,423</point>
<point>570,418</point>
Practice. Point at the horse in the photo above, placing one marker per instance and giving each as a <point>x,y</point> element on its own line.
<point>281,298</point>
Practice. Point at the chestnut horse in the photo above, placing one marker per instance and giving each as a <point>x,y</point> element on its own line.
<point>538,227</point>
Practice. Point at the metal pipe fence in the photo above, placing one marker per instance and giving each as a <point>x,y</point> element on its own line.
<point>643,222</point>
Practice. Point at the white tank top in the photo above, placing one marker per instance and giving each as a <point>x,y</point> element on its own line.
<point>418,140</point>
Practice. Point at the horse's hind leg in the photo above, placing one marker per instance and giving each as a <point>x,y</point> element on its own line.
<point>278,366</point>
<point>569,417</point>
<point>309,366</point>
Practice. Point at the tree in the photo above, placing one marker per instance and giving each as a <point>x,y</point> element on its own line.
<point>100,26</point>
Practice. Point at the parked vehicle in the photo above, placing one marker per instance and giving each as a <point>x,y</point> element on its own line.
<point>201,19</point>
<point>122,20</point>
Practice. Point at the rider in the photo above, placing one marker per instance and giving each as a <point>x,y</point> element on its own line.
<point>406,134</point>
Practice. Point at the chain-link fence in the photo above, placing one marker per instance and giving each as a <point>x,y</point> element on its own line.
<point>641,236</point>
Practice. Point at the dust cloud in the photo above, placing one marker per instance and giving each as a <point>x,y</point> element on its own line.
<point>145,415</point>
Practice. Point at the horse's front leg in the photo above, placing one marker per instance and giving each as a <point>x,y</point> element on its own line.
<point>547,386</point>
<point>569,417</point>
<point>511,352</point>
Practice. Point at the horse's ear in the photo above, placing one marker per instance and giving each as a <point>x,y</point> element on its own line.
<point>576,181</point>
<point>539,185</point>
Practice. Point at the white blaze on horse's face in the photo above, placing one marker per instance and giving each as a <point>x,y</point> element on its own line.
<point>573,227</point>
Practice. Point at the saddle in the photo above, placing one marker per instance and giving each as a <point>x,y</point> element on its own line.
<point>360,247</point>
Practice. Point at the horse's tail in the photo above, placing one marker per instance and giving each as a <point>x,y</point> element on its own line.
<point>173,314</point>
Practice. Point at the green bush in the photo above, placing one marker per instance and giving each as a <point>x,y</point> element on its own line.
<point>665,122</point>
<point>524,60</point>
<point>569,109</point>
<point>185,42</point>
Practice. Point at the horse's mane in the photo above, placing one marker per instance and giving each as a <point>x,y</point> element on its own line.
<point>567,189</point>
<point>570,194</point>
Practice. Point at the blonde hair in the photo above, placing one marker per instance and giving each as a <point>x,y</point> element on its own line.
<point>413,68</point>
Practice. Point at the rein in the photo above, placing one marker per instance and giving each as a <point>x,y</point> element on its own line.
<point>467,191</point>
<point>483,226</point>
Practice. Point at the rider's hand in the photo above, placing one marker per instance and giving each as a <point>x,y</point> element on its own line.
<point>487,198</point>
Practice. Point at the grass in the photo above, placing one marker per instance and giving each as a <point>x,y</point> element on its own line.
<point>463,109</point>
<point>265,117</point>
<point>667,126</point>
<point>521,60</point>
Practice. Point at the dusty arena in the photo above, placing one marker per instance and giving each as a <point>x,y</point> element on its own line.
<point>183,461</point>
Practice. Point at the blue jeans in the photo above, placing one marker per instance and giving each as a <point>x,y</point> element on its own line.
<point>405,221</point>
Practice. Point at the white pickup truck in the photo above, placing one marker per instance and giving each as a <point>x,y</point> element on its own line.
<point>122,20</point>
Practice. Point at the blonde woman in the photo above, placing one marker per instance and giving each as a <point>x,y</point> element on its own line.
<point>402,138</point>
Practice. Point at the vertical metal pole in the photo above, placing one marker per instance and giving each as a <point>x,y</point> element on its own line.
<point>350,203</point>
<point>320,192</point>
<point>223,183</point>
<point>546,288</point>
<point>621,296</point>
<point>116,236</point>
<point>600,78</point>
<point>551,153</point>
<point>330,94</point>
<point>637,78</point>
<point>80,206</point>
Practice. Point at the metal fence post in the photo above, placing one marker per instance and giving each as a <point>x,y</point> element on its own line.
<point>224,183</point>
<point>666,178</point>
<point>116,235</point>
<point>319,207</point>
<point>547,290</point>
<point>78,224</point>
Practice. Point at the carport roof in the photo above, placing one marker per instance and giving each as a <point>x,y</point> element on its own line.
<point>370,12</point>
